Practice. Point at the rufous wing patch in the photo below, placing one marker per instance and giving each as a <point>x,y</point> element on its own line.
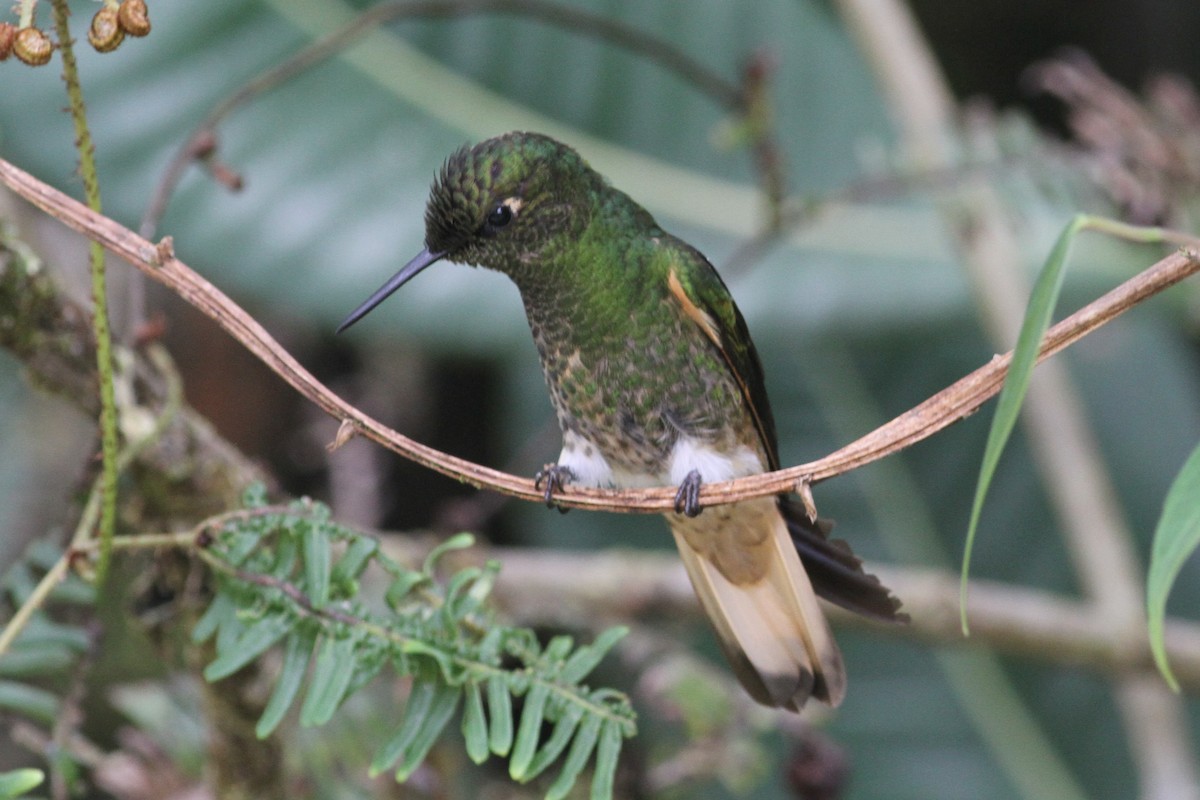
<point>693,311</point>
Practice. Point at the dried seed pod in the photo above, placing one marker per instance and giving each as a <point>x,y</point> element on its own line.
<point>8,34</point>
<point>33,46</point>
<point>105,34</point>
<point>135,19</point>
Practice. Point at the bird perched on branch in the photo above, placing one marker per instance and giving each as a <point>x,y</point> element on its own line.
<point>655,382</point>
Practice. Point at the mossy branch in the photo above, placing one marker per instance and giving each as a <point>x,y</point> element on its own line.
<point>104,362</point>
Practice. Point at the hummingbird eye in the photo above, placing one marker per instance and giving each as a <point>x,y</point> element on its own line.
<point>501,215</point>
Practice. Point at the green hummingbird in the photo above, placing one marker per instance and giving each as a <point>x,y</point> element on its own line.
<point>655,382</point>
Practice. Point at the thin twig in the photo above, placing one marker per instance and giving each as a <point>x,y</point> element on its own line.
<point>956,402</point>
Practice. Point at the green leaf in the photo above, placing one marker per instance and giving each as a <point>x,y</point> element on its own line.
<point>560,737</point>
<point>219,611</point>
<point>354,560</point>
<point>38,660</point>
<point>437,715</point>
<point>500,729</point>
<point>284,562</point>
<point>233,627</point>
<point>317,563</point>
<point>482,587</point>
<point>585,740</point>
<point>19,582</point>
<point>42,631</point>
<point>400,589</point>
<point>255,640</point>
<point>585,659</point>
<point>419,700</point>
<point>1175,539</point>
<point>557,650</point>
<point>29,701</point>
<point>287,684</point>
<point>1037,318</point>
<point>490,645</point>
<point>474,724</point>
<point>239,543</point>
<point>607,753</point>
<point>19,781</point>
<point>529,731</point>
<point>458,601</point>
<point>459,541</point>
<point>74,591</point>
<point>425,704</point>
<point>331,677</point>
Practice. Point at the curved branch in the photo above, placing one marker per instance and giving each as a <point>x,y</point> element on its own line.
<point>948,406</point>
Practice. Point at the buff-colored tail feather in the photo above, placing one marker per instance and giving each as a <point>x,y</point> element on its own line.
<point>751,584</point>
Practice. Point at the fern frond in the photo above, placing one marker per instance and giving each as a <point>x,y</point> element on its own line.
<point>290,576</point>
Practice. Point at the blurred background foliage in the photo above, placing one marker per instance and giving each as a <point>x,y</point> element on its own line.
<point>859,312</point>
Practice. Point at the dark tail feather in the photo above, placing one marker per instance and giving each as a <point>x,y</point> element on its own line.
<point>837,574</point>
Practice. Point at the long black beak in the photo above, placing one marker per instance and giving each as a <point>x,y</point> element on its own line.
<point>422,260</point>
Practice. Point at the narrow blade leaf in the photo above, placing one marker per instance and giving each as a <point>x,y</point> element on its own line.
<point>607,752</point>
<point>317,564</point>
<point>474,724</point>
<point>459,541</point>
<point>586,659</point>
<point>1175,539</point>
<point>585,741</point>
<point>213,618</point>
<point>1042,301</point>
<point>287,685</point>
<point>558,741</point>
<point>500,729</point>
<point>254,641</point>
<point>330,679</point>
<point>354,560</point>
<point>416,712</point>
<point>29,701</point>
<point>437,716</point>
<point>38,660</point>
<point>20,781</point>
<point>529,731</point>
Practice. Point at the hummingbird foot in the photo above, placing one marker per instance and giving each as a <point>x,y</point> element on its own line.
<point>687,499</point>
<point>553,477</point>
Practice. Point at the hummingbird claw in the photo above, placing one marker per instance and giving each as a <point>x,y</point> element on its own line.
<point>554,477</point>
<point>687,499</point>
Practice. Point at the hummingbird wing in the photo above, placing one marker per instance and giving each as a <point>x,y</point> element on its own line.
<point>836,573</point>
<point>698,289</point>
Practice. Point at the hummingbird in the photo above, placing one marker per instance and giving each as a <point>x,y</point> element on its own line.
<point>655,382</point>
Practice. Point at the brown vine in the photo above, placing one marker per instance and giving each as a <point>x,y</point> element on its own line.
<point>957,401</point>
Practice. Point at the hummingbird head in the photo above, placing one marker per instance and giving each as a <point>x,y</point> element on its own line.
<point>504,204</point>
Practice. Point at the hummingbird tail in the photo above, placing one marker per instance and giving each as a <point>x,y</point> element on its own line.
<point>836,573</point>
<point>749,579</point>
